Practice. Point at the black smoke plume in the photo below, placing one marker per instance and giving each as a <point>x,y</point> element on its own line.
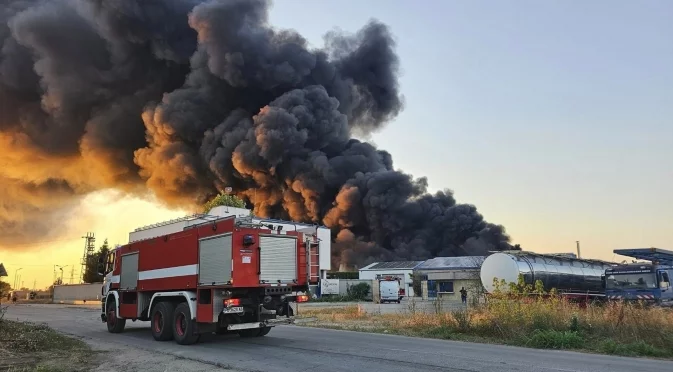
<point>182,98</point>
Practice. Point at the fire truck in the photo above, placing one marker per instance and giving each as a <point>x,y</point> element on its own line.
<point>226,271</point>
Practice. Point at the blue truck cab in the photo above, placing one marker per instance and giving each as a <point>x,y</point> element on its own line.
<point>648,282</point>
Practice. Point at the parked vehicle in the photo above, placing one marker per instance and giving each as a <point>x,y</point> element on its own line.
<point>389,290</point>
<point>649,282</point>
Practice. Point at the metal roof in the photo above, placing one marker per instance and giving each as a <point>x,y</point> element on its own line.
<point>393,265</point>
<point>662,256</point>
<point>444,263</point>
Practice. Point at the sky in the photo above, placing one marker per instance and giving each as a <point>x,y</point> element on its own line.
<point>554,118</point>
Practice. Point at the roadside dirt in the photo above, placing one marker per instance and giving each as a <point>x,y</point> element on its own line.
<point>115,358</point>
<point>122,359</point>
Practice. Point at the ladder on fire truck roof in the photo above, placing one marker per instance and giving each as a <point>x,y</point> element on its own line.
<point>655,255</point>
<point>180,219</point>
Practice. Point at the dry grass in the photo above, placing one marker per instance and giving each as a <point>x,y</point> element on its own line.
<point>32,347</point>
<point>541,322</point>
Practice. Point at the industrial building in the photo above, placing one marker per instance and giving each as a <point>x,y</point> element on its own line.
<point>443,277</point>
<point>398,269</point>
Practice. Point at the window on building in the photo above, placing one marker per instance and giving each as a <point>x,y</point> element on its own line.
<point>445,287</point>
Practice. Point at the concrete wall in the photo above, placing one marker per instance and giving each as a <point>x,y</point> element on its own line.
<point>77,292</point>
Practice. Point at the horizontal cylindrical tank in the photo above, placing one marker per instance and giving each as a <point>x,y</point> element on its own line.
<point>566,274</point>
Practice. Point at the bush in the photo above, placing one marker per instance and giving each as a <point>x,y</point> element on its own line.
<point>358,291</point>
<point>551,339</point>
<point>632,349</point>
<point>463,319</point>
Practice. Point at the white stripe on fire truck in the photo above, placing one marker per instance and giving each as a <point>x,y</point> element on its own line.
<point>169,272</point>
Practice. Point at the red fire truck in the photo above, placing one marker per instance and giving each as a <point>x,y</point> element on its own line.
<point>220,272</point>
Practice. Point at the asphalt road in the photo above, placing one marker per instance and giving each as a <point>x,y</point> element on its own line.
<point>294,348</point>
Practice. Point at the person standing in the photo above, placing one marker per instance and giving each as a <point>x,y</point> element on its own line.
<point>463,295</point>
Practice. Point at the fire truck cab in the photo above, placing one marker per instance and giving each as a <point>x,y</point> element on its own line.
<point>223,272</point>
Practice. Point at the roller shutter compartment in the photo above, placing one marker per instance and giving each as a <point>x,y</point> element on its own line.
<point>129,272</point>
<point>278,259</point>
<point>215,260</point>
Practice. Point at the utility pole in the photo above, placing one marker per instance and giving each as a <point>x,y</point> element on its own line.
<point>61,268</point>
<point>89,248</point>
<point>578,249</point>
<point>17,277</point>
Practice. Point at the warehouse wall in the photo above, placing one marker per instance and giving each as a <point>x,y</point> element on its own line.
<point>77,292</point>
<point>404,273</point>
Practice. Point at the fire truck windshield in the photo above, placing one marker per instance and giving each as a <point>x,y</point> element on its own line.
<point>631,281</point>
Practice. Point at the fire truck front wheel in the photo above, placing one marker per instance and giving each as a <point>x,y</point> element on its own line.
<point>114,324</point>
<point>183,326</point>
<point>162,316</point>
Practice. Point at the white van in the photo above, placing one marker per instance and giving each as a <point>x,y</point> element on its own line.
<point>389,291</point>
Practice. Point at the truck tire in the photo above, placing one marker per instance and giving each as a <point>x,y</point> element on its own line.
<point>264,331</point>
<point>162,316</point>
<point>114,325</point>
<point>183,326</point>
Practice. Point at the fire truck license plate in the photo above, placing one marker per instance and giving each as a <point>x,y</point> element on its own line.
<point>233,310</point>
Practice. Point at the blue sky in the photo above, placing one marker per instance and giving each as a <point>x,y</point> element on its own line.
<point>555,118</point>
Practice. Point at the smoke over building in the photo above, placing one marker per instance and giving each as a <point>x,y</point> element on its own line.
<point>183,98</point>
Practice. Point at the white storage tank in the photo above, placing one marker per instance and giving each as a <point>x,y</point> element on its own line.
<point>565,274</point>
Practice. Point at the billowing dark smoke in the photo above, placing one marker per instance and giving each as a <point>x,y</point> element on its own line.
<point>182,98</point>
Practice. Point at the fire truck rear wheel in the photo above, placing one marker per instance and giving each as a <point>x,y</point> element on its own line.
<point>162,316</point>
<point>183,326</point>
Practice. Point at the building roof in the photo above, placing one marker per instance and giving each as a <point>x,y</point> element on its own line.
<point>393,265</point>
<point>446,263</point>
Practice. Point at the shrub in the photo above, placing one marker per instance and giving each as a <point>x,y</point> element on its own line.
<point>358,291</point>
<point>551,339</point>
<point>463,319</point>
<point>631,349</point>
